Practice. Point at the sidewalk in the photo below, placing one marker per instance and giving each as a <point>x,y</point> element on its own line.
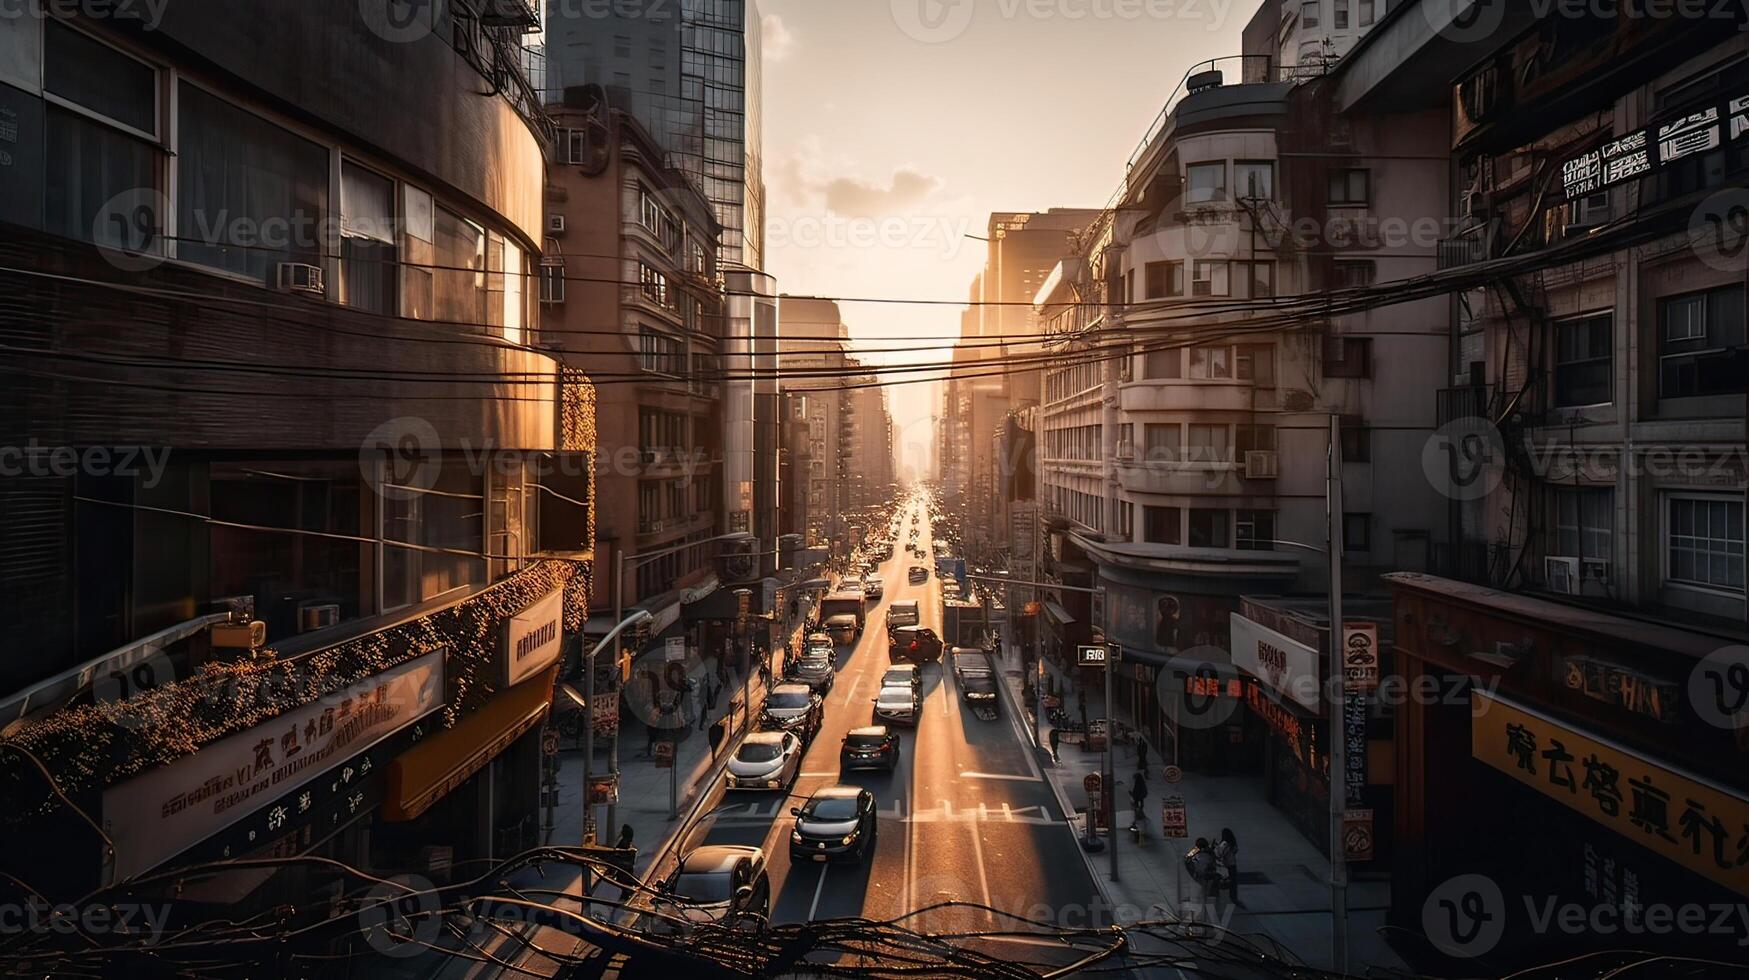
<point>1283,878</point>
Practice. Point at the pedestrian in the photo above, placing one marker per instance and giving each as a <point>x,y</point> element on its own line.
<point>1227,853</point>
<point>1200,862</point>
<point>625,837</point>
<point>1141,753</point>
<point>1056,737</point>
<point>716,737</point>
<point>1139,798</point>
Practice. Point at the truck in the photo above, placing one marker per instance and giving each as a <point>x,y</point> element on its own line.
<point>842,615</point>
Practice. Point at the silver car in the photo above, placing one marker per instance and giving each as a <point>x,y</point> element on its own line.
<point>898,704</point>
<point>765,760</point>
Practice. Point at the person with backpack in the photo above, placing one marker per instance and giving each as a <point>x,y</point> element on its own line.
<point>1227,855</point>
<point>1200,862</point>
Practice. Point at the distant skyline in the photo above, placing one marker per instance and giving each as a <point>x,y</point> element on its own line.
<point>986,105</point>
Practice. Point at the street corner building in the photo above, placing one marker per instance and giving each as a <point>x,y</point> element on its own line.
<point>301,529</point>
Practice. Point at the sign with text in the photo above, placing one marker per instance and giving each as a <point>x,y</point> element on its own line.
<point>1092,656</point>
<point>1358,842</point>
<point>1289,667</point>
<point>1645,150</point>
<point>1174,820</point>
<point>674,649</point>
<point>1354,760</point>
<point>533,639</point>
<point>663,753</point>
<point>156,816</point>
<point>1623,687</point>
<point>1360,656</point>
<point>1692,821</point>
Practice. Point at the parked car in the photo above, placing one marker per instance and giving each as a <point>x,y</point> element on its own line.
<point>914,644</point>
<point>978,689</point>
<point>837,821</point>
<point>897,704</point>
<point>792,708</point>
<point>918,574</point>
<point>814,670</point>
<point>820,645</point>
<point>873,587</point>
<point>903,675</point>
<point>765,760</point>
<point>969,658</point>
<point>718,883</point>
<point>870,747</point>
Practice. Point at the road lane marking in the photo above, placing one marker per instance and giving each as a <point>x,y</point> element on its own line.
<point>1000,775</point>
<point>815,906</point>
<point>814,775</point>
<point>978,855</point>
<point>849,696</point>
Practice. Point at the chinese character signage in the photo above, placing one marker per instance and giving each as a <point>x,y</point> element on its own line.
<point>1285,664</point>
<point>155,816</point>
<point>1645,150</point>
<point>1360,656</point>
<point>534,638</point>
<point>1699,825</point>
<point>1354,758</point>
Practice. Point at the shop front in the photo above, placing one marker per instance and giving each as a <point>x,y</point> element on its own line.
<point>1587,768</point>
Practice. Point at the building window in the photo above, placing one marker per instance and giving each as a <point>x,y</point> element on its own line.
<point>1164,279</point>
<point>1208,528</point>
<point>1207,444</point>
<point>1309,11</point>
<point>1211,363</point>
<point>1205,182</point>
<point>450,516</point>
<point>101,156</point>
<point>1701,346</point>
<point>1256,363</point>
<point>1705,540</point>
<point>649,505</point>
<point>1160,442</point>
<point>1167,364</point>
<point>1363,13</point>
<point>1353,274</point>
<point>367,240</point>
<point>1350,187</point>
<point>1357,532</point>
<point>237,171</point>
<point>654,285</point>
<point>1348,357</point>
<point>1254,179</point>
<point>1582,360</point>
<point>1584,524</point>
<point>1254,530</point>
<point>1160,525</point>
<point>1256,279</point>
<point>1208,278</point>
<point>1356,441</point>
<point>459,268</point>
<point>1340,19</point>
<point>552,282</point>
<point>1253,439</point>
<point>659,353</point>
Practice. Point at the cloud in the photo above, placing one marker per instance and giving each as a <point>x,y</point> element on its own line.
<point>854,197</point>
<point>779,40</point>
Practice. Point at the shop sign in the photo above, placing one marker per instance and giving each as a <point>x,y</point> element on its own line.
<point>1174,820</point>
<point>674,649</point>
<point>1091,656</point>
<point>1210,686</point>
<point>604,714</point>
<point>604,789</point>
<point>533,639</point>
<point>1623,687</point>
<point>1609,881</point>
<point>156,816</point>
<point>1360,656</point>
<point>1645,150</point>
<point>1357,835</point>
<point>1284,722</point>
<point>664,755</point>
<point>1289,667</point>
<point>1354,747</point>
<point>1693,822</point>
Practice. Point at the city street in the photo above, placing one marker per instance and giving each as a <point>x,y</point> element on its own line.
<point>966,815</point>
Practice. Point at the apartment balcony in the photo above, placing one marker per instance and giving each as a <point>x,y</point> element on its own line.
<point>1467,402</point>
<point>1185,396</point>
<point>1175,479</point>
<point>1456,253</point>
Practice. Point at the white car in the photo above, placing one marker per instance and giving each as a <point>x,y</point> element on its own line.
<point>897,704</point>
<point>765,760</point>
<point>873,587</point>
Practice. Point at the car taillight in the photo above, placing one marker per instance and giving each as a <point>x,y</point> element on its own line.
<point>913,644</point>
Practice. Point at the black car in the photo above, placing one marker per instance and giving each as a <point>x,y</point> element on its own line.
<point>918,574</point>
<point>792,708</point>
<point>978,688</point>
<point>816,672</point>
<point>873,747</point>
<point>837,821</point>
<point>718,884</point>
<point>914,644</point>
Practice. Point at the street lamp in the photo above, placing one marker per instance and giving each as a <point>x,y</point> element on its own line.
<point>635,619</point>
<point>619,591</point>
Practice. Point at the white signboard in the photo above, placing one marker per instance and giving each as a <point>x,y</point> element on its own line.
<point>534,638</point>
<point>1286,665</point>
<point>156,816</point>
<point>674,649</point>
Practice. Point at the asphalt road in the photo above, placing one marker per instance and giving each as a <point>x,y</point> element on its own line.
<point>966,815</point>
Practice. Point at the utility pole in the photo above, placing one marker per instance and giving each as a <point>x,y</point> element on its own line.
<point>619,593</point>
<point>1110,761</point>
<point>1338,732</point>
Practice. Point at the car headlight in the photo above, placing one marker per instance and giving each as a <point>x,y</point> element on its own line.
<point>849,838</point>
<point>795,837</point>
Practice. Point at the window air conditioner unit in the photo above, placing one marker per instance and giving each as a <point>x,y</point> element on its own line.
<point>1561,574</point>
<point>1262,464</point>
<point>299,277</point>
<point>1595,571</point>
<point>318,616</point>
<point>555,224</point>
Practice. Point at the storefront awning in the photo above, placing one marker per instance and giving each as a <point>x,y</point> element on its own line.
<point>1058,613</point>
<point>422,775</point>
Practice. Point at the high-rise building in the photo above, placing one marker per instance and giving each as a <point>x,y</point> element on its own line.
<point>690,72</point>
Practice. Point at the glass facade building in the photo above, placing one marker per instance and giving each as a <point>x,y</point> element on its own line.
<point>691,74</point>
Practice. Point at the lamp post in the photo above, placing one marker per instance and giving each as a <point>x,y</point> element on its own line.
<point>637,618</point>
<point>619,591</point>
<point>741,598</point>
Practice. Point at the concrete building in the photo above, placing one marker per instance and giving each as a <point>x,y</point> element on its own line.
<point>692,74</point>
<point>320,616</point>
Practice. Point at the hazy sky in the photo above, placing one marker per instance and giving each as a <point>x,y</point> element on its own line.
<point>893,127</point>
